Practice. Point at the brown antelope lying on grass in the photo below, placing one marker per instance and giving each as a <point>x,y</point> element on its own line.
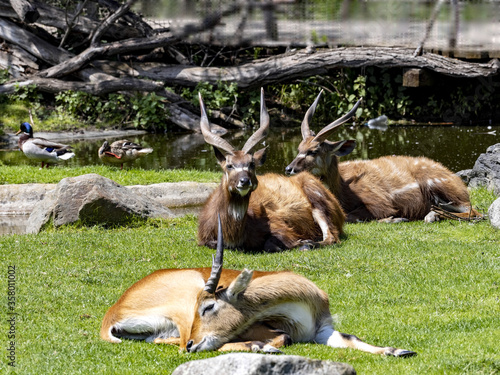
<point>202,309</point>
<point>390,188</point>
<point>269,212</point>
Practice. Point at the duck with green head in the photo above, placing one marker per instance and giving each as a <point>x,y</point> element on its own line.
<point>42,149</point>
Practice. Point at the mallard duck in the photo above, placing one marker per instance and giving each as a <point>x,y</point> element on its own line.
<point>40,148</point>
<point>122,151</point>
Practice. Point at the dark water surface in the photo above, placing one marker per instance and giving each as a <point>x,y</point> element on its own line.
<point>457,147</point>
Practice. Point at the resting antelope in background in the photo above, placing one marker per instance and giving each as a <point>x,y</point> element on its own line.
<point>390,188</point>
<point>269,212</point>
<point>202,309</point>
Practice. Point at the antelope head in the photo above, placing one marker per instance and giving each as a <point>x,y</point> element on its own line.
<point>238,165</point>
<point>316,153</point>
<point>217,317</point>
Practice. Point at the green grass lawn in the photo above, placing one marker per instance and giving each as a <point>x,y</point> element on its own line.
<point>431,288</point>
<point>25,174</point>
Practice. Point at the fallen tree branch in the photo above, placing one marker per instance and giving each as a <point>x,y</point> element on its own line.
<point>32,43</point>
<point>130,45</point>
<point>132,18</point>
<point>96,88</point>
<point>179,116</point>
<point>300,64</point>
<point>108,22</point>
<point>136,44</point>
<point>26,11</point>
<point>55,17</point>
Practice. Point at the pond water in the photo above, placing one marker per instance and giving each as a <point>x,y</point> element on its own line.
<point>457,147</point>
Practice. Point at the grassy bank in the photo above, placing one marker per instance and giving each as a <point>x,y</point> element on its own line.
<point>428,288</point>
<point>25,174</point>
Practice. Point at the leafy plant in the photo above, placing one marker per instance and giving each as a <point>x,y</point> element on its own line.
<point>149,112</point>
<point>79,104</point>
<point>215,96</point>
<point>225,95</point>
<point>26,94</point>
<point>4,76</point>
<point>113,107</point>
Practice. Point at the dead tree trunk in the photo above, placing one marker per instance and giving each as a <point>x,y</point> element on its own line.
<point>26,11</point>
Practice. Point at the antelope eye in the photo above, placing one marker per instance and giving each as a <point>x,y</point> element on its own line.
<point>252,165</point>
<point>207,308</point>
<point>312,152</point>
<point>229,166</point>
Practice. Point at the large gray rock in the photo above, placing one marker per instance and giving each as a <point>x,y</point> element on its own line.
<point>20,199</point>
<point>261,364</point>
<point>486,170</point>
<point>17,202</point>
<point>93,199</point>
<point>176,194</point>
<point>494,213</point>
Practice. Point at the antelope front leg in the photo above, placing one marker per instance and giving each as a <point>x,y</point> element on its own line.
<point>393,220</point>
<point>249,346</point>
<point>259,338</point>
<point>169,341</point>
<point>320,219</point>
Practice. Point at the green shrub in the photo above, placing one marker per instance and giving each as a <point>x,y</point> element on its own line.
<point>149,112</point>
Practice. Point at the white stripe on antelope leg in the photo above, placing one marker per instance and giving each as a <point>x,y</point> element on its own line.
<point>329,336</point>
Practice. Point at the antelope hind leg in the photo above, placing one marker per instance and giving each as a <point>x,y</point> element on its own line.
<point>466,213</point>
<point>329,336</point>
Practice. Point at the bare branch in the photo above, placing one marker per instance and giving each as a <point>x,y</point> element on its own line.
<point>106,24</point>
<point>135,44</point>
<point>72,22</point>
<point>55,17</point>
<point>130,17</point>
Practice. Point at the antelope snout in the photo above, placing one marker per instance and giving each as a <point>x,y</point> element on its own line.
<point>244,185</point>
<point>244,181</point>
<point>289,169</point>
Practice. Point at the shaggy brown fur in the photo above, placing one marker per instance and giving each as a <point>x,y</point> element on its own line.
<point>391,188</point>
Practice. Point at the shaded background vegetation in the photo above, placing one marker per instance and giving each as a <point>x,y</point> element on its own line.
<point>461,101</point>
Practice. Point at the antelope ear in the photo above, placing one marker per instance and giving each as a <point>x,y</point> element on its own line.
<point>219,155</point>
<point>239,285</point>
<point>341,148</point>
<point>260,156</point>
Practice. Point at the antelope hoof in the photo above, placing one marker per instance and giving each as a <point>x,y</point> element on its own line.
<point>307,245</point>
<point>260,347</point>
<point>393,220</point>
<point>431,217</point>
<point>271,349</point>
<point>405,354</point>
<point>400,353</point>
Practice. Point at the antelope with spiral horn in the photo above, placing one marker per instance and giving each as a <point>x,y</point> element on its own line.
<point>204,309</point>
<point>269,212</point>
<point>390,188</point>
